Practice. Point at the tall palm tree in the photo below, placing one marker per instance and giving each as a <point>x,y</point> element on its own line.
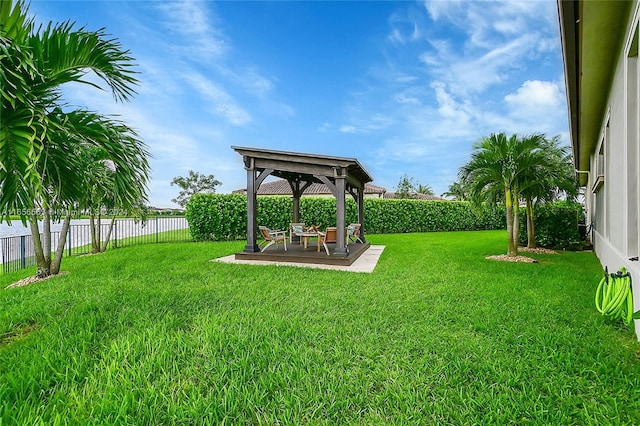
<point>111,183</point>
<point>548,183</point>
<point>35,131</point>
<point>498,165</point>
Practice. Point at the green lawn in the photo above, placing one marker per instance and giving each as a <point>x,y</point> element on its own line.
<point>157,334</point>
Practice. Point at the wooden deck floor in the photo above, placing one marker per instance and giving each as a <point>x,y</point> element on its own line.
<point>298,254</point>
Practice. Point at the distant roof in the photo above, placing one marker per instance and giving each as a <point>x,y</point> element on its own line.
<point>415,196</point>
<point>282,187</point>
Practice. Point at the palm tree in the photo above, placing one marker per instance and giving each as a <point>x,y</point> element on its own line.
<point>548,183</point>
<point>111,184</point>
<point>424,189</point>
<point>457,191</point>
<point>498,165</point>
<point>37,164</point>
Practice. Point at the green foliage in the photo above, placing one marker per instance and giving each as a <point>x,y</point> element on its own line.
<point>409,188</point>
<point>406,186</point>
<point>400,216</point>
<point>556,225</point>
<point>218,217</point>
<point>322,211</point>
<point>39,60</point>
<point>195,183</point>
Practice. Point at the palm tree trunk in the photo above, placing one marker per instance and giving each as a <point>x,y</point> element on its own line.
<point>516,218</point>
<point>98,233</point>
<point>57,258</point>
<point>106,241</point>
<point>42,266</point>
<point>531,233</point>
<point>512,250</point>
<point>46,233</point>
<point>95,247</point>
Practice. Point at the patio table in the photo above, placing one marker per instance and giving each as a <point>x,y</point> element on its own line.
<point>309,234</point>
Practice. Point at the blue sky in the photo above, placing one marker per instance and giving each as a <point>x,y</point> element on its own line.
<point>404,87</point>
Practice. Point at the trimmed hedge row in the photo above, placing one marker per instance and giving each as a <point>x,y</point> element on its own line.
<point>556,226</point>
<point>224,216</point>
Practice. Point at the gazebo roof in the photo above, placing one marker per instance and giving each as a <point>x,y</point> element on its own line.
<point>301,166</point>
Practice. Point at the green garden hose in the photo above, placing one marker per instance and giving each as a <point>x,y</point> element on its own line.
<point>614,299</point>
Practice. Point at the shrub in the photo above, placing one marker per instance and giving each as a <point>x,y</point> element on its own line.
<point>224,216</point>
<point>556,225</point>
<point>216,217</point>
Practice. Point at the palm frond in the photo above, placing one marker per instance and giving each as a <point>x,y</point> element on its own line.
<point>64,54</point>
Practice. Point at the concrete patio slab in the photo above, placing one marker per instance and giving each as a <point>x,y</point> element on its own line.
<point>366,263</point>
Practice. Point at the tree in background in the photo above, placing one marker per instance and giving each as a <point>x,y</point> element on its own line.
<point>195,183</point>
<point>409,187</point>
<point>40,174</point>
<point>457,191</point>
<point>424,189</point>
<point>405,188</point>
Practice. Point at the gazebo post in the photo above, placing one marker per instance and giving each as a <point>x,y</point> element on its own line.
<point>295,189</point>
<point>360,202</point>
<point>252,220</point>
<point>341,187</point>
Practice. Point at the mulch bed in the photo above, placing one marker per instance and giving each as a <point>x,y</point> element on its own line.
<point>522,259</point>
<point>505,258</point>
<point>32,280</point>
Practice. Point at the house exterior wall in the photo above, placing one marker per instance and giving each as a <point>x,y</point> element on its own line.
<point>612,192</point>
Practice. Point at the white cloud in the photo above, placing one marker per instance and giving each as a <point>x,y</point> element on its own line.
<point>222,104</point>
<point>405,26</point>
<point>486,41</point>
<point>257,84</point>
<point>348,129</point>
<point>404,78</point>
<point>192,20</point>
<point>537,106</point>
<point>475,74</point>
<point>403,98</point>
<point>484,21</point>
<point>536,94</point>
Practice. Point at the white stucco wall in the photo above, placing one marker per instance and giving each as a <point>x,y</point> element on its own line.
<point>614,204</point>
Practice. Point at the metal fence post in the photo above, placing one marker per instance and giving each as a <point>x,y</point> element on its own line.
<point>69,240</point>
<point>115,231</point>
<point>156,229</point>
<point>5,248</point>
<point>22,252</point>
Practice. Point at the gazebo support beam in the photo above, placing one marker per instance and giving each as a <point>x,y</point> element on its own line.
<point>297,192</point>
<point>253,183</point>
<point>341,187</point>
<point>360,203</point>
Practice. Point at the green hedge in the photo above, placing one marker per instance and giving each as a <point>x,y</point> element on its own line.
<point>224,216</point>
<point>556,226</point>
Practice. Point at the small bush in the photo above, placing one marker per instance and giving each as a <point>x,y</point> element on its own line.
<point>556,226</point>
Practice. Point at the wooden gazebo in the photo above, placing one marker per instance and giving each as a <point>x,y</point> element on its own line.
<point>341,175</point>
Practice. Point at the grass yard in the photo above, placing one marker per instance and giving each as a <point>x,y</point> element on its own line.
<point>157,334</point>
